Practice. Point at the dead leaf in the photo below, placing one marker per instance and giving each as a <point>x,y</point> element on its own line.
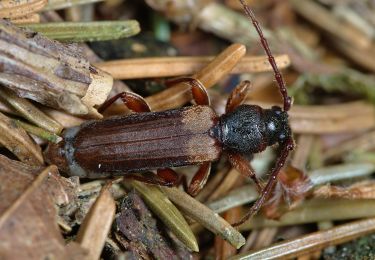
<point>28,227</point>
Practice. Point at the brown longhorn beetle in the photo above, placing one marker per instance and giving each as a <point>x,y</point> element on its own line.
<point>133,145</point>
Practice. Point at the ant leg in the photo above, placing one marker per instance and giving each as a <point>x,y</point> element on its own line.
<point>288,146</point>
<point>133,101</point>
<point>237,96</point>
<point>199,179</point>
<point>243,166</point>
<point>198,91</point>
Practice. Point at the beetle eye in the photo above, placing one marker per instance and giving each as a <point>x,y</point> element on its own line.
<point>281,136</point>
<point>276,109</point>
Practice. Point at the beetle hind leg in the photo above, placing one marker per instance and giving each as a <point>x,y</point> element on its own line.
<point>131,100</point>
<point>164,177</point>
<point>197,183</point>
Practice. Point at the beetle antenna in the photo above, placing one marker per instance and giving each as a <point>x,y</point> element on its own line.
<point>279,78</point>
<point>287,147</point>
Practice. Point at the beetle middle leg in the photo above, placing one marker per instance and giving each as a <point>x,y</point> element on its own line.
<point>198,91</point>
<point>243,166</point>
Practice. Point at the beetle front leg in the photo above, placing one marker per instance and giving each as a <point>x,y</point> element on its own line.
<point>131,100</point>
<point>238,96</point>
<point>243,166</point>
<point>198,91</point>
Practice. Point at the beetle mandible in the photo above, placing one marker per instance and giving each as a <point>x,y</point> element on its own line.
<point>133,145</point>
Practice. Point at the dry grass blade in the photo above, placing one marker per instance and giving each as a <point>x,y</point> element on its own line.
<point>50,73</point>
<point>62,4</point>
<point>179,66</point>
<point>180,94</point>
<point>16,9</point>
<point>322,18</point>
<point>227,183</point>
<point>32,18</point>
<point>237,197</point>
<point>22,239</point>
<point>97,223</point>
<point>30,112</point>
<point>340,172</point>
<point>86,31</point>
<point>205,216</point>
<point>16,140</point>
<point>363,142</point>
<point>168,213</point>
<point>317,210</point>
<point>312,242</point>
<point>364,58</point>
<point>37,131</point>
<point>360,190</point>
<point>223,249</point>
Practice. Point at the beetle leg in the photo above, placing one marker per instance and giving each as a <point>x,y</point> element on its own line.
<point>133,101</point>
<point>287,147</point>
<point>199,179</point>
<point>237,96</point>
<point>172,177</point>
<point>243,166</point>
<point>152,178</point>
<point>198,90</point>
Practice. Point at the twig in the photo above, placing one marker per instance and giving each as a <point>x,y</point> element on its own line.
<point>312,242</point>
<point>205,216</point>
<point>179,66</point>
<point>208,76</point>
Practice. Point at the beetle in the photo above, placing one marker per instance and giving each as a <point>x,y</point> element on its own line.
<point>135,144</point>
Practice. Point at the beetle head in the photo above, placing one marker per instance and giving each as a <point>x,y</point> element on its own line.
<point>250,129</point>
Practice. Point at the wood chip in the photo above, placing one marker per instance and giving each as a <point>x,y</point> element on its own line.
<point>50,73</point>
<point>97,223</point>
